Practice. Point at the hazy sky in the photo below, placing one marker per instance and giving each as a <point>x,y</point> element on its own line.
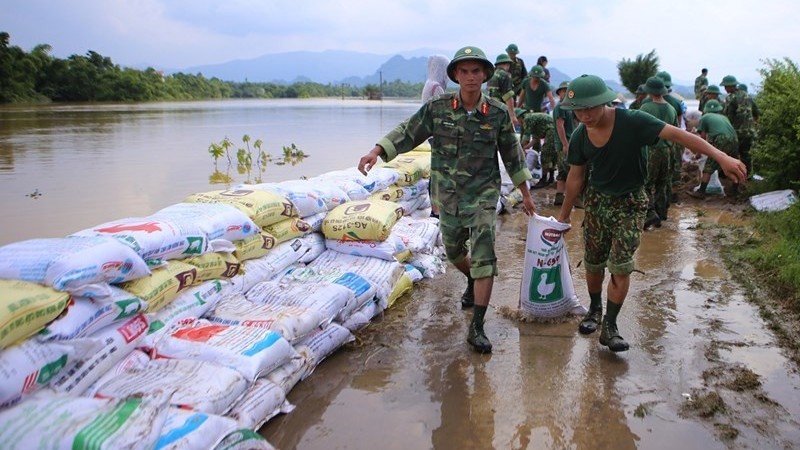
<point>731,36</point>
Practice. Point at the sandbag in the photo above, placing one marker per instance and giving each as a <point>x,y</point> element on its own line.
<point>328,298</point>
<point>244,439</point>
<point>219,221</point>
<point>546,289</point>
<point>265,208</point>
<point>287,229</point>
<point>315,242</point>
<point>188,305</point>
<point>254,246</point>
<point>321,344</point>
<point>82,266</point>
<point>191,430</point>
<point>380,273</point>
<point>366,220</point>
<point>351,188</point>
<point>25,308</point>
<point>270,265</point>
<point>289,374</point>
<point>419,235</point>
<point>164,284</point>
<point>261,402</point>
<point>391,249</point>
<point>404,286</point>
<point>214,266</point>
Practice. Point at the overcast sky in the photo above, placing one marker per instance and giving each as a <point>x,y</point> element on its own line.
<point>731,36</point>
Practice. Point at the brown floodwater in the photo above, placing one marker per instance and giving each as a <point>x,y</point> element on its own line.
<point>410,380</point>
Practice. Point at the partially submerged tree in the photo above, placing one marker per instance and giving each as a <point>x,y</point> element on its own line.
<point>632,73</point>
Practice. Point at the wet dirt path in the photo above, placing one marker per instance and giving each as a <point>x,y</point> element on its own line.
<point>703,371</point>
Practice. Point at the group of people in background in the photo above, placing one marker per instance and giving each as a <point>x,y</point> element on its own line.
<point>620,162</point>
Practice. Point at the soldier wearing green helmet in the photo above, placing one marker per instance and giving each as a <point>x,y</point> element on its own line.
<point>565,124</point>
<point>613,142</point>
<point>677,153</point>
<point>518,70</point>
<point>500,85</point>
<point>743,113</point>
<point>712,92</point>
<point>658,183</point>
<point>534,89</point>
<point>470,131</point>
<point>640,96</point>
<point>715,128</point>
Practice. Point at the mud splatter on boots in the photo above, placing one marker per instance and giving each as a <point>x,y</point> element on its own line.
<point>476,337</point>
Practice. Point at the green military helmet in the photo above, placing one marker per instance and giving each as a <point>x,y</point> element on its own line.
<point>713,89</point>
<point>587,91</point>
<point>712,106</point>
<point>562,86</point>
<point>537,71</point>
<point>655,86</point>
<point>470,54</point>
<point>502,58</point>
<point>640,90</point>
<point>742,87</point>
<point>729,80</point>
<point>666,78</point>
<point>520,112</point>
<point>512,48</point>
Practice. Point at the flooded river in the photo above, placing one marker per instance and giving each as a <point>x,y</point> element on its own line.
<point>703,372</point>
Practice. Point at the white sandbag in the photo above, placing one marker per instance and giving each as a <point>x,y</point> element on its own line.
<point>327,298</point>
<point>362,317</point>
<point>380,273</point>
<point>82,266</point>
<point>546,289</point>
<point>260,403</point>
<point>391,249</point>
<point>419,235</point>
<point>291,322</point>
<point>87,316</point>
<point>308,201</point>
<point>119,340</point>
<point>774,201</point>
<point>289,374</point>
<point>251,351</point>
<point>330,194</point>
<point>137,359</point>
<point>413,206</point>
<point>379,178</point>
<point>351,188</point>
<point>198,385</point>
<point>26,307</point>
<point>189,305</point>
<point>270,265</point>
<point>315,222</point>
<point>362,290</point>
<point>244,439</point>
<point>315,242</point>
<point>321,344</point>
<point>191,430</point>
<point>31,365</point>
<point>84,423</point>
<point>431,266</point>
<point>265,208</point>
<point>216,220</point>
<point>413,273</point>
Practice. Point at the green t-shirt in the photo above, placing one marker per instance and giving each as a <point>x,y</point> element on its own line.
<point>569,124</point>
<point>535,97</point>
<point>669,99</point>
<point>620,166</point>
<point>715,124</point>
<point>664,112</point>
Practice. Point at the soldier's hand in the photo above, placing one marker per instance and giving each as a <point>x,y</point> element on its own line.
<point>528,205</point>
<point>735,170</point>
<point>368,161</point>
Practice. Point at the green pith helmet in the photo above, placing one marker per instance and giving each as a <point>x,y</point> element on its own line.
<point>712,106</point>
<point>512,48</point>
<point>640,90</point>
<point>564,85</point>
<point>713,89</point>
<point>502,58</point>
<point>470,54</point>
<point>729,80</point>
<point>587,91</point>
<point>655,86</point>
<point>537,71</point>
<point>520,112</point>
<point>666,78</point>
<point>742,87</point>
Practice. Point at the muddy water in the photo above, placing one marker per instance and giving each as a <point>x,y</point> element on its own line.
<point>412,382</point>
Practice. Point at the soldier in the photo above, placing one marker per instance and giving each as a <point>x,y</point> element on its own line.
<point>677,152</point>
<point>537,126</point>
<point>640,96</point>
<point>518,70</point>
<point>469,129</point>
<point>612,141</point>
<point>500,85</point>
<point>711,93</point>
<point>565,123</point>
<point>718,131</point>
<point>659,156</point>
<point>743,113</point>
<point>700,83</point>
<point>534,90</point>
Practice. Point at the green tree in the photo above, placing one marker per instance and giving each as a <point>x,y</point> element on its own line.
<point>775,154</point>
<point>632,73</point>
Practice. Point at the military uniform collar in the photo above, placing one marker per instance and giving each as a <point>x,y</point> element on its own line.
<point>482,107</point>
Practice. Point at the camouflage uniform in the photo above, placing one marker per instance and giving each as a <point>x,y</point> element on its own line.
<point>465,172</point>
<point>518,73</point>
<point>500,85</point>
<point>742,112</point>
<point>611,230</point>
<point>659,164</point>
<point>720,133</point>
<point>700,84</point>
<point>541,126</point>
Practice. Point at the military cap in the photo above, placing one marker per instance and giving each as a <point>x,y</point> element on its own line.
<point>713,89</point>
<point>640,90</point>
<point>712,106</point>
<point>655,86</point>
<point>563,85</point>
<point>537,71</point>
<point>512,48</point>
<point>587,91</point>
<point>666,78</point>
<point>520,112</point>
<point>469,54</point>
<point>729,80</point>
<point>742,87</point>
<point>502,58</point>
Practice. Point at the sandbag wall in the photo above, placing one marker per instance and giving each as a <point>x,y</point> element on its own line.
<point>188,328</point>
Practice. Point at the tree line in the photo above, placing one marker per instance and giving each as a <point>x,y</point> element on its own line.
<point>37,76</point>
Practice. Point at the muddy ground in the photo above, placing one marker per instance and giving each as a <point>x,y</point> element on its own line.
<point>704,369</point>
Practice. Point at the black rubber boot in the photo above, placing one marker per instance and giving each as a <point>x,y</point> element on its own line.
<point>476,337</point>
<point>468,297</point>
<point>652,220</point>
<point>591,321</point>
<point>609,336</point>
<point>542,183</point>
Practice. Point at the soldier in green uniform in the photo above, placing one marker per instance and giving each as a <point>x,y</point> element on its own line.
<point>659,155</point>
<point>613,141</point>
<point>701,83</point>
<point>470,132</point>
<point>743,113</point>
<point>640,96</point>
<point>711,93</point>
<point>518,70</point>
<point>718,131</point>
<point>500,85</point>
<point>537,126</point>
<point>565,123</point>
<point>534,90</point>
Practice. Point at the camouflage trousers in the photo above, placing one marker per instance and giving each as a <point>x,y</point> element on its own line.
<point>659,180</point>
<point>477,230</point>
<point>745,143</point>
<point>612,227</point>
<point>549,156</point>
<point>676,165</point>
<point>563,166</point>
<point>729,145</point>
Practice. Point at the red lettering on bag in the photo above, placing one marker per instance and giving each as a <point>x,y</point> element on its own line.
<point>133,328</point>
